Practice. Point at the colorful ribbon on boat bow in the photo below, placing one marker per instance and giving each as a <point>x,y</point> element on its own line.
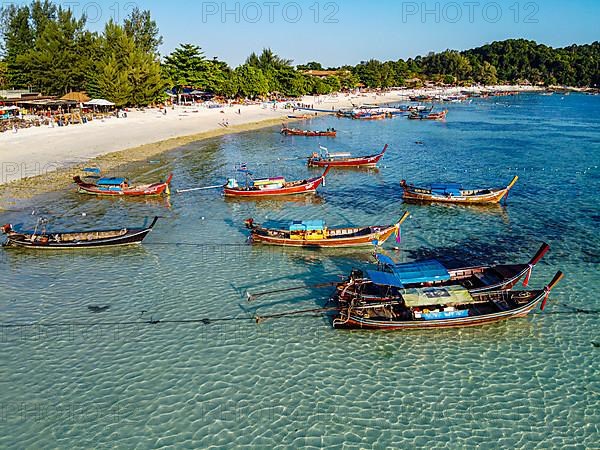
<point>526,281</point>
<point>546,295</point>
<point>398,234</point>
<point>549,287</point>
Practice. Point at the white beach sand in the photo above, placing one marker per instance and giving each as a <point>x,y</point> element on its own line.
<point>39,151</point>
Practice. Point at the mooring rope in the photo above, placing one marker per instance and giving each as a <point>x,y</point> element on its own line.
<point>151,321</point>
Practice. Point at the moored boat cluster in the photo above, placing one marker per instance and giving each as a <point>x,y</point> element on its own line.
<point>420,294</point>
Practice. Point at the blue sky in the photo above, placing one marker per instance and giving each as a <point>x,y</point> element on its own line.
<point>346,32</point>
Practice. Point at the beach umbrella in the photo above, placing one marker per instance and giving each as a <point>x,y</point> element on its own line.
<point>100,102</point>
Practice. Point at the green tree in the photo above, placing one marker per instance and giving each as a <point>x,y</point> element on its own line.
<point>145,78</point>
<point>251,81</point>
<point>61,57</point>
<point>292,83</point>
<point>42,14</point>
<point>112,82</point>
<point>231,86</point>
<point>375,74</point>
<point>334,84</point>
<point>312,65</point>
<point>348,80</point>
<point>486,74</point>
<point>127,75</point>
<point>449,62</point>
<point>268,61</point>
<point>18,38</point>
<point>3,75</point>
<point>144,30</point>
<point>216,75</point>
<point>185,66</point>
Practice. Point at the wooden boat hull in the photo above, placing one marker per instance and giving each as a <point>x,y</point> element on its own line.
<point>308,133</point>
<point>372,239</point>
<point>369,117</point>
<point>89,239</point>
<point>430,116</point>
<point>493,197</point>
<point>490,307</point>
<point>326,237</point>
<point>151,190</point>
<point>361,161</point>
<point>480,196</point>
<point>293,188</point>
<point>357,322</point>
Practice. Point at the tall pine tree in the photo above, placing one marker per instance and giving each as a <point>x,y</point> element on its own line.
<point>61,57</point>
<point>18,39</point>
<point>127,75</point>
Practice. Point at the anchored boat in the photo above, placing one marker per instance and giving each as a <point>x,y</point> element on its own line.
<point>391,279</point>
<point>344,159</point>
<point>276,186</point>
<point>454,193</point>
<point>314,233</point>
<point>41,238</point>
<point>428,115</point>
<point>296,132</point>
<point>114,186</point>
<point>442,307</point>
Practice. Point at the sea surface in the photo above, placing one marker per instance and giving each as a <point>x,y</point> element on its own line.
<point>74,378</point>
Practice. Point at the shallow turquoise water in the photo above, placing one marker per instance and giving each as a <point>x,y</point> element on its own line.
<point>295,382</point>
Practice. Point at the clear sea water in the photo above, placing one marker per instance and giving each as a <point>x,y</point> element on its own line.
<point>295,382</point>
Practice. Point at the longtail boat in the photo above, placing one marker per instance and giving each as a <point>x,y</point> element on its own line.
<point>314,233</point>
<point>429,116</point>
<point>49,240</point>
<point>344,159</point>
<point>454,193</point>
<point>275,186</point>
<point>300,116</point>
<point>344,113</point>
<point>114,186</point>
<point>443,307</point>
<point>296,132</point>
<point>369,116</point>
<point>390,278</point>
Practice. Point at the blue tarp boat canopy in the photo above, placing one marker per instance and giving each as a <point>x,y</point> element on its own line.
<point>446,189</point>
<point>307,225</point>
<point>384,278</point>
<point>421,272</point>
<point>415,272</point>
<point>110,181</point>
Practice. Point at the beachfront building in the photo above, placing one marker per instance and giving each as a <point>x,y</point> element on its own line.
<point>9,95</point>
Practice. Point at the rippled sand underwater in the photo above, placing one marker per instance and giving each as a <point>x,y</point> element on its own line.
<point>295,382</point>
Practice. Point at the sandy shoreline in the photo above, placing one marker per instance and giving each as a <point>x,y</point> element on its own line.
<point>38,160</point>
